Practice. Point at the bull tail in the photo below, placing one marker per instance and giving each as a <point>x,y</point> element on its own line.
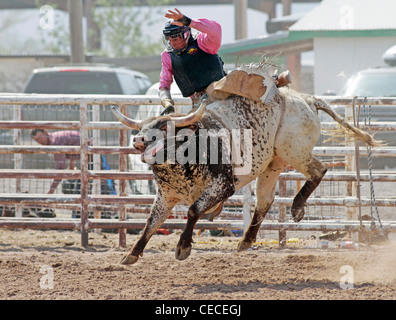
<point>352,132</point>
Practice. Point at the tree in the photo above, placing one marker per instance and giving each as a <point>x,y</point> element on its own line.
<point>121,23</point>
<point>57,39</point>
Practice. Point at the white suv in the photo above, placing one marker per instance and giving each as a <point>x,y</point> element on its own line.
<point>87,79</point>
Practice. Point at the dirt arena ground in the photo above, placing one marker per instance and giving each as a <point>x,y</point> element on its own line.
<point>49,265</point>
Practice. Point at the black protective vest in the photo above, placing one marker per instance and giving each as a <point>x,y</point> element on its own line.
<point>194,69</point>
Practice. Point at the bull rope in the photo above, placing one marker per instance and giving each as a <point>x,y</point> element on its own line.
<point>367,116</point>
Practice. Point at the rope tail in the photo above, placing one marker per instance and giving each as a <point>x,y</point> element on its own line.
<point>356,133</point>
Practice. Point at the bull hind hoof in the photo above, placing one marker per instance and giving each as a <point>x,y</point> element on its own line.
<point>182,253</point>
<point>244,245</point>
<point>129,259</point>
<point>298,214</point>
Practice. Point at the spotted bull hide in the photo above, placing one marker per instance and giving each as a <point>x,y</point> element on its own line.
<point>271,137</point>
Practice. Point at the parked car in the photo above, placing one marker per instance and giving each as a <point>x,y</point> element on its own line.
<point>87,79</point>
<point>80,79</point>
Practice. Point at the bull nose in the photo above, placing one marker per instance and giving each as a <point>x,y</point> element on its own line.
<point>138,143</point>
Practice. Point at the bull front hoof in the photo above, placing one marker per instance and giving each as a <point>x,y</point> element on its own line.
<point>244,245</point>
<point>182,253</point>
<point>129,259</point>
<point>298,214</point>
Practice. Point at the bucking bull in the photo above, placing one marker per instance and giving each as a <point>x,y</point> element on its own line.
<point>192,164</point>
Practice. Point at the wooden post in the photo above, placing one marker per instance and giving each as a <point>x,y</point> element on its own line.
<point>18,157</point>
<point>76,31</point>
<point>96,188</point>
<point>247,194</point>
<point>122,188</point>
<point>286,7</point>
<point>282,214</point>
<point>351,161</point>
<point>294,66</point>
<point>240,19</point>
<point>84,173</point>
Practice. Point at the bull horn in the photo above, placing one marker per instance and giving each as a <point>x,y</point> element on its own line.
<point>134,124</point>
<point>192,117</point>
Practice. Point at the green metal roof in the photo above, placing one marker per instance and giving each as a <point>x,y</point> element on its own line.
<point>284,42</point>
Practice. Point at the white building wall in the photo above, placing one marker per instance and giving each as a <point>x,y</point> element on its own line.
<point>336,59</point>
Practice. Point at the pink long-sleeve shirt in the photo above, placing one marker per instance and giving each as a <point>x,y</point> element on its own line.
<point>64,138</point>
<point>209,40</point>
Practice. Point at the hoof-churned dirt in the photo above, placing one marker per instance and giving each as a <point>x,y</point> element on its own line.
<point>53,265</point>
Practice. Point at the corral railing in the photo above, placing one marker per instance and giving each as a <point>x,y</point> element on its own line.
<point>88,200</point>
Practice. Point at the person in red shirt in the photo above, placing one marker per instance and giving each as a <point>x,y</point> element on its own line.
<point>59,138</point>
